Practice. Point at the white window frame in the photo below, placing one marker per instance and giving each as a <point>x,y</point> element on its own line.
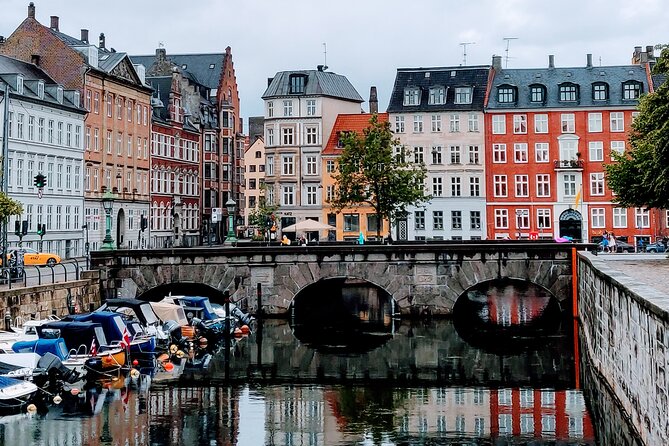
<point>499,153</point>
<point>597,218</point>
<point>499,124</point>
<point>541,152</point>
<point>594,122</point>
<point>596,151</point>
<point>519,124</point>
<point>540,123</point>
<point>620,217</point>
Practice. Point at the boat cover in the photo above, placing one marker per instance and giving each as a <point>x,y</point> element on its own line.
<point>56,347</point>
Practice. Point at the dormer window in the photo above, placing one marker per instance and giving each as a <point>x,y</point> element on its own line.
<point>412,96</point>
<point>506,94</point>
<point>297,83</point>
<point>59,95</point>
<point>19,84</point>
<point>568,92</point>
<point>600,91</point>
<point>437,95</point>
<point>537,94</point>
<point>40,89</point>
<point>632,90</point>
<point>463,95</point>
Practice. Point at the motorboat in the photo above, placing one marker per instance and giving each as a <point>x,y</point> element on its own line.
<point>15,394</point>
<point>25,331</point>
<point>116,331</point>
<point>140,311</point>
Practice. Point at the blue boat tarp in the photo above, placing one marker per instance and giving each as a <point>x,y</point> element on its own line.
<point>201,303</point>
<point>112,323</point>
<point>42,346</point>
<point>75,334</point>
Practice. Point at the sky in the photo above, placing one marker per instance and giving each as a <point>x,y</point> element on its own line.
<point>366,40</point>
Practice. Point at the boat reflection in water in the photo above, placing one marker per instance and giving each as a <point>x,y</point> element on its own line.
<point>343,315</point>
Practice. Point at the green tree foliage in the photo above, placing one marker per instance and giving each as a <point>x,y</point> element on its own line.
<point>263,216</point>
<point>9,207</point>
<point>640,176</point>
<point>374,170</point>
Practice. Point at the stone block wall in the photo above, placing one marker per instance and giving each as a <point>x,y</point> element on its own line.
<point>42,301</point>
<point>625,332</point>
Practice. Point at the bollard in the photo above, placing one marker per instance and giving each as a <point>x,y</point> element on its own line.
<point>91,307</point>
<point>53,311</point>
<point>8,322</point>
<point>259,304</point>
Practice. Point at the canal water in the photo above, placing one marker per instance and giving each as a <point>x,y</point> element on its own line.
<point>382,382</point>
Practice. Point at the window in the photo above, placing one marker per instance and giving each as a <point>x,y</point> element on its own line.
<point>499,182</point>
<point>119,108</point>
<point>270,137</point>
<point>499,124</point>
<point>456,219</point>
<point>399,124</point>
<point>436,123</point>
<point>297,83</point>
<point>351,222</point>
<point>437,187</point>
<point>312,137</point>
<point>567,123</point>
<point>568,92</point>
<point>418,153</point>
<point>537,93</point>
<point>594,122</point>
<point>454,123</point>
<point>311,107</point>
<point>522,218</point>
<point>417,124</point>
<point>617,147</point>
<point>19,127</point>
<point>474,156</point>
<point>569,183</point>
<point>541,152</point>
<point>473,122</point>
<point>437,220</point>
<point>501,218</point>
<point>436,155</point>
<point>474,186</point>
<point>287,136</point>
<point>456,188</point>
<point>109,105</point>
<point>617,122</point>
<point>519,124</point>
<point>311,165</point>
<point>270,109</point>
<point>288,195</point>
<point>330,166</point>
<point>600,91</point>
<point>499,153</point>
<point>597,183</point>
<point>568,148</point>
<point>522,185</point>
<point>597,219</point>
<point>311,195</point>
<point>631,90</point>
<point>455,154</point>
<point>641,218</point>
<point>49,131</point>
<point>287,165</point>
<point>31,128</point>
<point>543,218</point>
<point>419,219</point>
<point>412,96</point>
<point>329,193</point>
<point>596,150</point>
<point>119,139</point>
<point>475,219</point>
<point>87,139</point>
<point>506,94</point>
<point>437,96</point>
<point>520,152</point>
<point>287,108</point>
<point>543,185</point>
<point>129,110</point>
<point>619,217</point>
<point>463,95</point>
<point>40,129</point>
<point>540,123</point>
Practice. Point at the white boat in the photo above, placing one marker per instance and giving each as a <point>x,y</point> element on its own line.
<point>15,393</point>
<point>27,331</point>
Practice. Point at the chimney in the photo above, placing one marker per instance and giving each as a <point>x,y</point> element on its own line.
<point>102,41</point>
<point>551,61</point>
<point>54,22</point>
<point>34,59</point>
<point>31,10</point>
<point>84,35</point>
<point>160,54</point>
<point>497,63</point>
<point>373,101</point>
<point>588,58</point>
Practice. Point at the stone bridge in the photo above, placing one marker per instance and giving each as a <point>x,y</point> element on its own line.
<point>420,277</point>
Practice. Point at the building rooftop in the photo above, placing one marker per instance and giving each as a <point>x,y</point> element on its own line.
<point>315,83</point>
<point>348,123</point>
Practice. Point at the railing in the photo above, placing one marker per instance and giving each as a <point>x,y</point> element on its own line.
<point>33,275</point>
<point>569,164</point>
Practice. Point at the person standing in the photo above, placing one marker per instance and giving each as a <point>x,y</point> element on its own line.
<point>612,243</point>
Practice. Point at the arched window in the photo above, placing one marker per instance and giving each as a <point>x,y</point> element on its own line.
<point>568,92</point>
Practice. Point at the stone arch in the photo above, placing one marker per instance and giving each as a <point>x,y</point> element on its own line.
<point>159,292</point>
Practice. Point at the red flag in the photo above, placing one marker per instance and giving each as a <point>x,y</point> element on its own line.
<point>94,350</point>
<point>125,342</point>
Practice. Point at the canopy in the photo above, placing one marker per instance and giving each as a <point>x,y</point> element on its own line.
<point>308,225</point>
<point>167,311</point>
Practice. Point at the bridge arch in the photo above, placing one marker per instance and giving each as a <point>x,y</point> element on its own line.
<point>159,292</point>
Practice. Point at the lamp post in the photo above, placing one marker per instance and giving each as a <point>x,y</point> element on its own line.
<point>108,204</point>
<point>230,205</point>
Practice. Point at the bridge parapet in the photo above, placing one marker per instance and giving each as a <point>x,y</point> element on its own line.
<point>420,277</point>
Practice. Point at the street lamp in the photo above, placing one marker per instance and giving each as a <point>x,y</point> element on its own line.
<point>230,205</point>
<point>108,204</point>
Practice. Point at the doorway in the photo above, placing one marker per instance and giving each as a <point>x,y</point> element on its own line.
<point>120,228</point>
<point>571,224</point>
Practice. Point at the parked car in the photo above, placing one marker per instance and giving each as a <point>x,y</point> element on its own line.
<point>624,246</point>
<point>34,257</point>
<point>656,247</point>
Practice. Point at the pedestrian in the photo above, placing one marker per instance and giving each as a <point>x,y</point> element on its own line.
<point>285,241</point>
<point>612,243</point>
<point>605,243</point>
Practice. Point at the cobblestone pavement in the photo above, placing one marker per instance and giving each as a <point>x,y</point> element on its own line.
<point>651,269</point>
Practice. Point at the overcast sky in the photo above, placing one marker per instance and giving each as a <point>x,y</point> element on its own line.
<point>367,40</point>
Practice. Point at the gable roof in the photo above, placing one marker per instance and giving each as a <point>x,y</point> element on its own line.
<point>318,83</point>
<point>551,78</point>
<point>348,123</point>
<point>204,68</point>
<point>448,77</point>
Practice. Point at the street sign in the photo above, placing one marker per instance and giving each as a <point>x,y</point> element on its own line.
<point>216,215</point>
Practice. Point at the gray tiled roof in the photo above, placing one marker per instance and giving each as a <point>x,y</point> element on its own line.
<point>449,77</point>
<point>108,60</point>
<point>319,83</point>
<point>204,68</point>
<point>551,78</point>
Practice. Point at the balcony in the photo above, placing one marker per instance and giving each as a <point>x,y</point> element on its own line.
<point>572,164</point>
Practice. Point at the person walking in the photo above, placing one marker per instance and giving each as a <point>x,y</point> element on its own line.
<point>605,243</point>
<point>612,243</point>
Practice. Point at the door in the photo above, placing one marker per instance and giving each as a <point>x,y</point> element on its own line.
<point>571,224</point>
<point>120,228</point>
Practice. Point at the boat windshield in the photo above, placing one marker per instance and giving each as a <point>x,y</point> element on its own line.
<point>149,315</point>
<point>100,334</point>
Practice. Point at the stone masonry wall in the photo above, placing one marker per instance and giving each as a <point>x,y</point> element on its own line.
<point>625,326</point>
<point>41,301</point>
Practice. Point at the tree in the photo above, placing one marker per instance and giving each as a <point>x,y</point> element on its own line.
<point>263,216</point>
<point>640,176</point>
<point>373,170</point>
<point>9,207</point>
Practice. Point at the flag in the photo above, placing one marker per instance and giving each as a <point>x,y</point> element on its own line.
<point>579,194</point>
<point>125,342</point>
<point>94,350</point>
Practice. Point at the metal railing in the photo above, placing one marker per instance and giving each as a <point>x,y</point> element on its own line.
<point>35,275</point>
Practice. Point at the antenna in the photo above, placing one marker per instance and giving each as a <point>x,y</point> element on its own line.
<point>464,51</point>
<point>325,54</point>
<point>508,40</point>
